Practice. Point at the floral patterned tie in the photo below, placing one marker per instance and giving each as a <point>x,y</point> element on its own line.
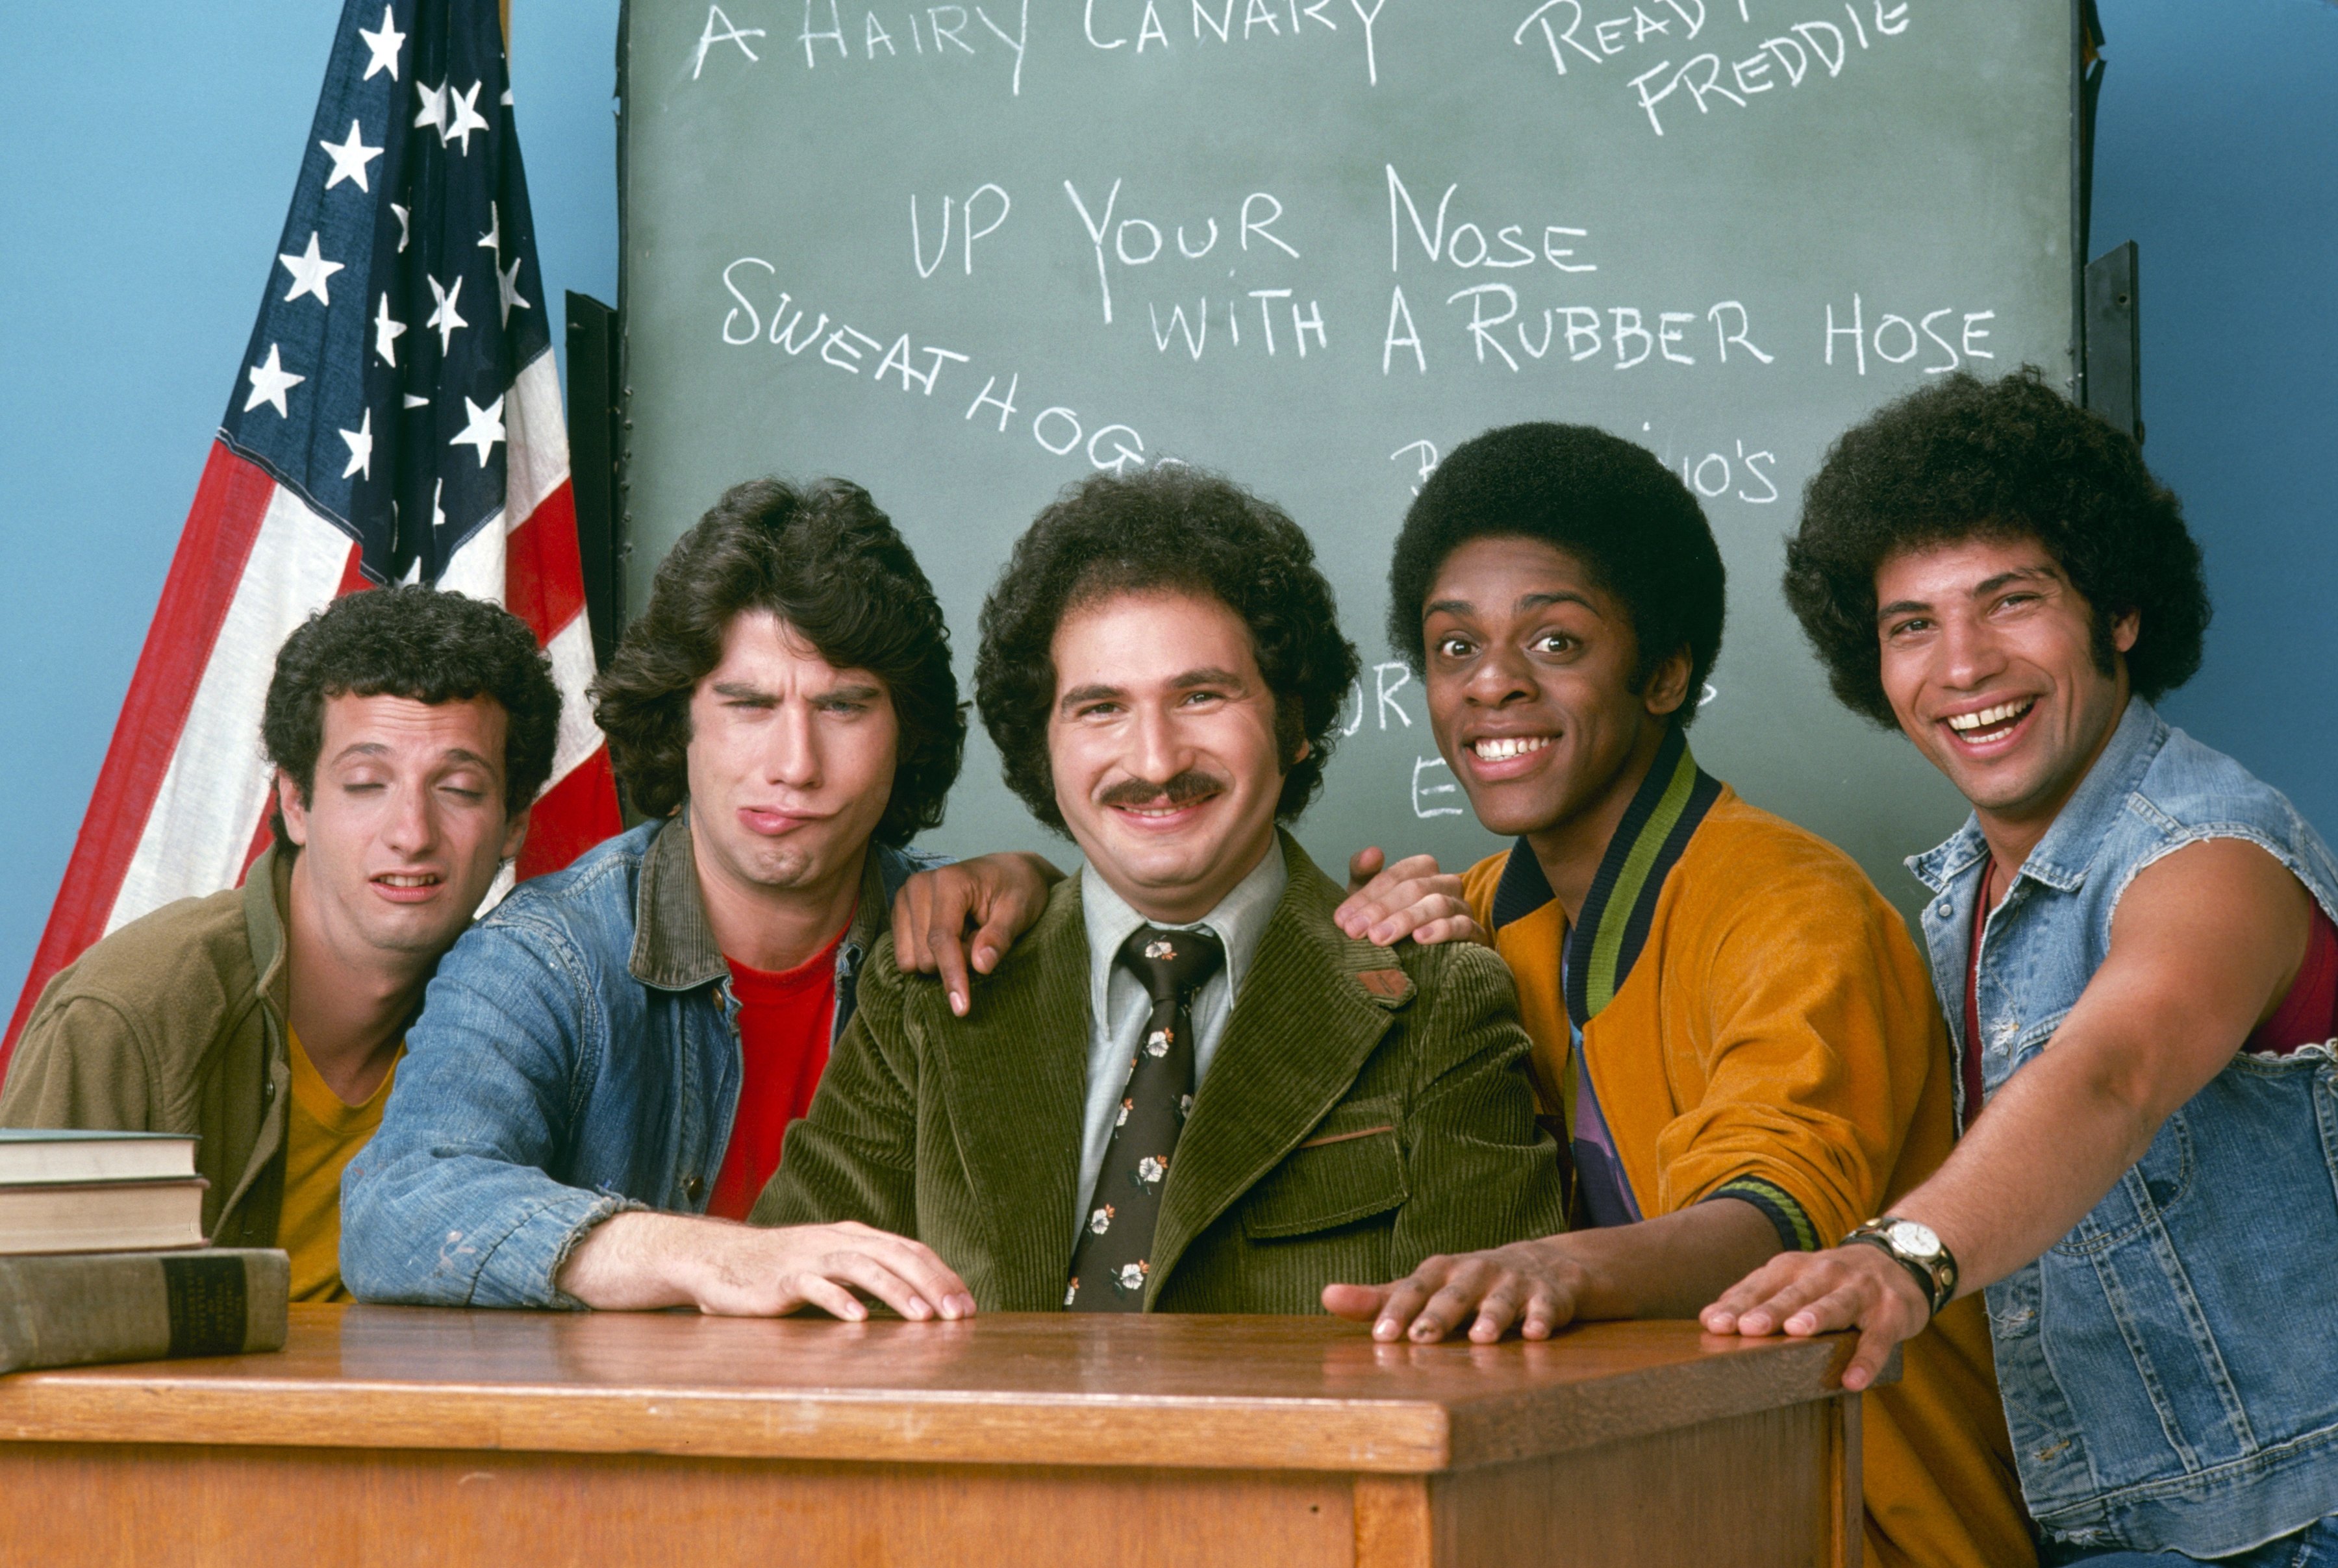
<point>1114,1258</point>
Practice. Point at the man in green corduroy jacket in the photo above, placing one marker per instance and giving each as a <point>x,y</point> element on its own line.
<point>1185,1089</point>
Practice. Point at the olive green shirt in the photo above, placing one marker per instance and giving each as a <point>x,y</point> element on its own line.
<point>175,1023</point>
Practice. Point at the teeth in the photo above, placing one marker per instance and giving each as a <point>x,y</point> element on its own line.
<point>1508,746</point>
<point>1988,716</point>
<point>395,880</point>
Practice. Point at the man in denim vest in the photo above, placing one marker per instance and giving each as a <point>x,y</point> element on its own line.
<point>2133,939</point>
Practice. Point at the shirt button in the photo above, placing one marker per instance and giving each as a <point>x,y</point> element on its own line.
<point>690,1188</point>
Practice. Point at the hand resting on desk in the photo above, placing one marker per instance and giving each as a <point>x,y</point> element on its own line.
<point>641,1260</point>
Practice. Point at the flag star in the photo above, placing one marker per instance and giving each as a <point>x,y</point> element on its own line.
<point>444,318</point>
<point>349,159</point>
<point>507,285</point>
<point>484,429</point>
<point>405,226</point>
<point>270,382</point>
<point>413,401</point>
<point>387,331</point>
<point>309,270</point>
<point>464,106</point>
<point>360,442</point>
<point>434,108</point>
<point>384,44</point>
<point>505,99</point>
<point>439,513</point>
<point>493,239</point>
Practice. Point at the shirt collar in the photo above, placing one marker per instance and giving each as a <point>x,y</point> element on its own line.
<point>2062,856</point>
<point>1238,921</point>
<point>673,944</point>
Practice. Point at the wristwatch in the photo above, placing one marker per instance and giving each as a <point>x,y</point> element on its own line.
<point>1918,1249</point>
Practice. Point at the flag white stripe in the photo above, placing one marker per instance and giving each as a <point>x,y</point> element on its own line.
<point>199,824</point>
<point>536,440</point>
<point>572,670</point>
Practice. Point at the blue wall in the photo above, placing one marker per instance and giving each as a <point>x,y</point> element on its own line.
<point>2217,152</point>
<point>147,155</point>
<point>149,151</point>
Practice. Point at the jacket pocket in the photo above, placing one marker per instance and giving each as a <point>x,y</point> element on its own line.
<point>1341,1174</point>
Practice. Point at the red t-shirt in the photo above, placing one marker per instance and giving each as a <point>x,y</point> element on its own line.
<point>784,1022</point>
<point>2308,1014</point>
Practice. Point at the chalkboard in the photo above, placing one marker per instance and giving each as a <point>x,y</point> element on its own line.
<point>966,254</point>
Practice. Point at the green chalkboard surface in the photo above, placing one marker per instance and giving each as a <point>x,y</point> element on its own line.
<point>966,254</point>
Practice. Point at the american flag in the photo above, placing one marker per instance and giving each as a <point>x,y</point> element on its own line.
<point>397,418</point>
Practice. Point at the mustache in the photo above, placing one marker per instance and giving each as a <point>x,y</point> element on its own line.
<point>1179,789</point>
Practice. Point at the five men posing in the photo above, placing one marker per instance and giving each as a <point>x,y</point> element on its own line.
<point>1198,1082</point>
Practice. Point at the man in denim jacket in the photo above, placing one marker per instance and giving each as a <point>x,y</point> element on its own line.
<point>2134,941</point>
<point>634,1033</point>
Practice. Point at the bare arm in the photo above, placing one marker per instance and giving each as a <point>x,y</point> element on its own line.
<point>998,896</point>
<point>2206,942</point>
<point>1667,1267</point>
<point>641,1260</point>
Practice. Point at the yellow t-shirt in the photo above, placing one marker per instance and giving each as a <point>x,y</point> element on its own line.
<point>321,1133</point>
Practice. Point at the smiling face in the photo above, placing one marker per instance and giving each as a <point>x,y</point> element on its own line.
<point>1530,665</point>
<point>1162,742</point>
<point>791,763</point>
<point>1989,661</point>
<point>404,828</point>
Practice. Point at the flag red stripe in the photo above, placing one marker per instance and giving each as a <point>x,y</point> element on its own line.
<point>221,525</point>
<point>574,814</point>
<point>544,575</point>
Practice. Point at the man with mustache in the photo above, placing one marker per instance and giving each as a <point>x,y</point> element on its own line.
<point>2137,942</point>
<point>1185,1089</point>
<point>1729,1020</point>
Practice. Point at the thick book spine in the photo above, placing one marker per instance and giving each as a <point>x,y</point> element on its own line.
<point>72,1308</point>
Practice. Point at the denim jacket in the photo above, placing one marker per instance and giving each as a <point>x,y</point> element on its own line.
<point>2170,1368</point>
<point>578,1055</point>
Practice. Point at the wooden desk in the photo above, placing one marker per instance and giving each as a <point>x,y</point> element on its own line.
<point>408,1435</point>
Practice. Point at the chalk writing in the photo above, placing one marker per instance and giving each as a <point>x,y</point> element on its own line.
<point>1896,339</point>
<point>1116,23</point>
<point>1788,59</point>
<point>1422,794</point>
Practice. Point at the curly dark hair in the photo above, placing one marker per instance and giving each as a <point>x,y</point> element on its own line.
<point>1170,527</point>
<point>823,559</point>
<point>2008,459</point>
<point>415,643</point>
<point>1607,501</point>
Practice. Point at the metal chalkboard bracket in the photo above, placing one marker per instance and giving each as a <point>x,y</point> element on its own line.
<point>2114,340</point>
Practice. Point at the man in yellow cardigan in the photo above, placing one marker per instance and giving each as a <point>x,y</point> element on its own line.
<point>1732,1029</point>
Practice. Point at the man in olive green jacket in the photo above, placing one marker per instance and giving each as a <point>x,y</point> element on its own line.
<point>1185,1089</point>
<point>410,730</point>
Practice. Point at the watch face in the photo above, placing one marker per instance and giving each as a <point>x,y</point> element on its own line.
<point>1916,1241</point>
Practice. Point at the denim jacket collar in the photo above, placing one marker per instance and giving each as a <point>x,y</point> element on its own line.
<point>675,947</point>
<point>2069,847</point>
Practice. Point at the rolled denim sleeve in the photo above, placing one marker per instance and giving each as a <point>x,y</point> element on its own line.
<point>451,1203</point>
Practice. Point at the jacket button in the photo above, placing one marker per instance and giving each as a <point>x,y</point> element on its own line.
<point>690,1188</point>
<point>268,1090</point>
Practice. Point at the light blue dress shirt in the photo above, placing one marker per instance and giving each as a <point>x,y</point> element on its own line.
<point>1118,1004</point>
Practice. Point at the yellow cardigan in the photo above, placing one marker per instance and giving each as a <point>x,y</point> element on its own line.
<point>1759,1026</point>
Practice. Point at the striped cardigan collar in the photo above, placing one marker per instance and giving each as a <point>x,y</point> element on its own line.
<point>1603,944</point>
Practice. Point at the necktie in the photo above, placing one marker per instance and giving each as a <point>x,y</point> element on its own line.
<point>1114,1258</point>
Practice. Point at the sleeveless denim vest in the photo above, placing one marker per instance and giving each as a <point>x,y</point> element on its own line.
<point>2170,1368</point>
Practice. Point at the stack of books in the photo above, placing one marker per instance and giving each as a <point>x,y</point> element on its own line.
<point>102,1255</point>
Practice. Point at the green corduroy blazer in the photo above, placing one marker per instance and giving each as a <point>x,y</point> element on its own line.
<point>1367,1108</point>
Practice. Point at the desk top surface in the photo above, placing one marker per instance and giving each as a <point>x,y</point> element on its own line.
<point>1248,1393</point>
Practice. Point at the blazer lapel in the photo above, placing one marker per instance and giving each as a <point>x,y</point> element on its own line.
<point>1015,1080</point>
<point>1301,1031</point>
